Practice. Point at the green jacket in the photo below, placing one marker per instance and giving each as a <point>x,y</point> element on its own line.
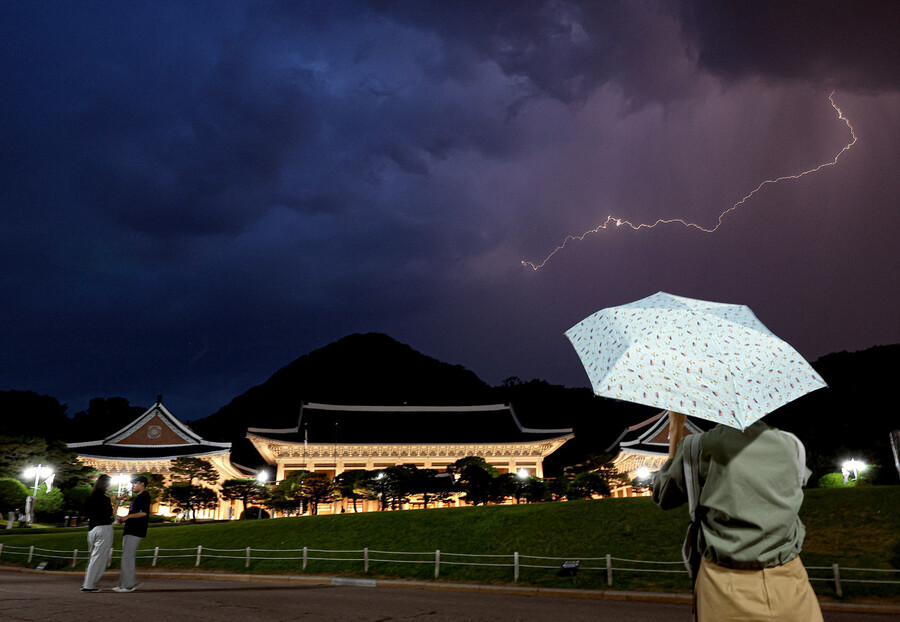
<point>750,495</point>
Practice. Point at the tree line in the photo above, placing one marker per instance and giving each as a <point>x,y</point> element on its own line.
<point>193,486</point>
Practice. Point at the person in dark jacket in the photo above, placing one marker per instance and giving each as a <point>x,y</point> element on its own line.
<point>136,522</point>
<point>99,511</point>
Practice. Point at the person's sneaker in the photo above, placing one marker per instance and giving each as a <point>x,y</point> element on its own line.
<point>90,589</point>
<point>123,589</point>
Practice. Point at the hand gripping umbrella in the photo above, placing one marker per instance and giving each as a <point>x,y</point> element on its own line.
<point>705,359</point>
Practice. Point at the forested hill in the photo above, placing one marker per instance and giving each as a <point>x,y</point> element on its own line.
<point>370,369</point>
<point>849,418</point>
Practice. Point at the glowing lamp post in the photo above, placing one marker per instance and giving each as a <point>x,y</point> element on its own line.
<point>122,483</point>
<point>643,473</point>
<point>262,477</point>
<point>854,467</point>
<point>380,478</point>
<point>522,476</point>
<point>37,473</point>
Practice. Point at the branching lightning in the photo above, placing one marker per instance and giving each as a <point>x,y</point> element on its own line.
<point>618,222</point>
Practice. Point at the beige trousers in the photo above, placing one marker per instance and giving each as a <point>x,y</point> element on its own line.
<point>782,593</point>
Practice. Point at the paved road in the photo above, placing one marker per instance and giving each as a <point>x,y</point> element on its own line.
<point>51,597</point>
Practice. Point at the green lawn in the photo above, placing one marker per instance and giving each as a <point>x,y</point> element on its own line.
<point>855,527</point>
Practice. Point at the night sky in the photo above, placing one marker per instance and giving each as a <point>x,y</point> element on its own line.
<point>194,194</point>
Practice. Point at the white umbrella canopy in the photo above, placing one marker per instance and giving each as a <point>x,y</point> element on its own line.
<point>710,360</point>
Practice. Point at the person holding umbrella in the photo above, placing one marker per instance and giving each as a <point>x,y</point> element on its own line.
<point>746,530</point>
<point>742,480</point>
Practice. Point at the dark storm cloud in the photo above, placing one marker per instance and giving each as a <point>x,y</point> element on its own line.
<point>564,50</point>
<point>846,45</point>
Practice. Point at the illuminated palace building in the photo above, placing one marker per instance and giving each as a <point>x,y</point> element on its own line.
<point>148,445</point>
<point>644,448</point>
<point>331,439</point>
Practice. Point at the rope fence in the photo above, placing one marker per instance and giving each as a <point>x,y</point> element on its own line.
<point>515,561</point>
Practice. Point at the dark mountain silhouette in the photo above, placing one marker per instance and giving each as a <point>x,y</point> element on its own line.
<point>25,413</point>
<point>103,417</point>
<point>849,418</point>
<point>853,416</point>
<point>374,369</point>
<point>371,369</point>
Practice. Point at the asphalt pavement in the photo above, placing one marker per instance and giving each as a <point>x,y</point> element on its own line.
<point>30,596</point>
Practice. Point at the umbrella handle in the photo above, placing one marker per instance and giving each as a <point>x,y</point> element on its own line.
<point>676,431</point>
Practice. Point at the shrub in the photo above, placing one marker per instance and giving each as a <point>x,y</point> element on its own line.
<point>834,480</point>
<point>12,495</point>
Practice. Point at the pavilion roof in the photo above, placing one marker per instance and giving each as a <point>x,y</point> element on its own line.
<point>346,424</point>
<point>154,435</point>
<point>650,436</point>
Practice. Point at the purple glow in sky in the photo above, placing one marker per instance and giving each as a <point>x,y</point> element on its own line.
<point>195,194</point>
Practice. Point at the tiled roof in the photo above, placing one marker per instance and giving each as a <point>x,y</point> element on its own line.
<point>329,423</point>
<point>155,435</point>
<point>650,436</point>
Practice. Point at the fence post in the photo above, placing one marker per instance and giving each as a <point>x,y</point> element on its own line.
<point>155,555</point>
<point>516,566</point>
<point>247,563</point>
<point>366,559</point>
<point>437,563</point>
<point>30,553</point>
<point>1,548</point>
<point>304,558</point>
<point>199,553</point>
<point>74,557</point>
<point>109,559</point>
<point>608,569</point>
<point>837,580</point>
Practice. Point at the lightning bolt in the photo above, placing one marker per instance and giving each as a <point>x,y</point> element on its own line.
<point>618,222</point>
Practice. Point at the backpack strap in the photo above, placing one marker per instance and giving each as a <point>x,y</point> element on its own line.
<point>802,472</point>
<point>691,461</point>
<point>690,449</point>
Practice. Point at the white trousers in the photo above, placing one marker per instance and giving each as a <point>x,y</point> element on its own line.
<point>127,576</point>
<point>100,541</point>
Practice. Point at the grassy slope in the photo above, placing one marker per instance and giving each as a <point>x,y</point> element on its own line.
<point>853,527</point>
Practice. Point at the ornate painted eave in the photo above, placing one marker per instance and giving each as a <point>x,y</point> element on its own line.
<point>273,450</point>
<point>219,459</point>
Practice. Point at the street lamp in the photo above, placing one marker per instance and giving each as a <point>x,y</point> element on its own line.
<point>643,473</point>
<point>853,466</point>
<point>522,473</point>
<point>122,482</point>
<point>262,477</point>
<point>380,478</point>
<point>37,472</point>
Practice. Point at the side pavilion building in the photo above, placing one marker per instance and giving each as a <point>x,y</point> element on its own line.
<point>149,444</point>
<point>644,445</point>
<point>331,439</point>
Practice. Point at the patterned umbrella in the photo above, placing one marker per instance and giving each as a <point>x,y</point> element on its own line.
<point>706,359</point>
